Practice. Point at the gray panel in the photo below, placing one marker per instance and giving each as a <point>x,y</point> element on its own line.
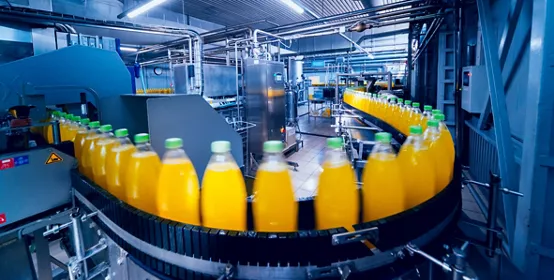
<point>126,111</point>
<point>265,101</point>
<point>191,118</point>
<point>36,186</point>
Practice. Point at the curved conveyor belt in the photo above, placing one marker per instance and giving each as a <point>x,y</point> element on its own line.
<point>184,251</point>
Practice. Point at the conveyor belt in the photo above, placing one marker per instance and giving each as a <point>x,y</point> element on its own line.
<point>305,248</point>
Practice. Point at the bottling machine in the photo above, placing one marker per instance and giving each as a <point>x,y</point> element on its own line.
<point>109,238</point>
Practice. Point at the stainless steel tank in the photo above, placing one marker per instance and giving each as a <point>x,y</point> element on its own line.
<point>295,71</point>
<point>291,106</point>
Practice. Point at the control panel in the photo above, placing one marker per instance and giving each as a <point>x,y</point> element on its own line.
<point>475,88</point>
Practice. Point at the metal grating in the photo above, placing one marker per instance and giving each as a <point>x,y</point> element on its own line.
<point>235,12</point>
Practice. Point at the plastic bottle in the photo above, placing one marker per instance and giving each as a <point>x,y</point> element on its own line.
<point>415,115</point>
<point>418,168</point>
<point>64,123</point>
<point>431,136</point>
<point>383,191</point>
<point>54,115</point>
<point>403,122</point>
<point>80,135</point>
<point>73,127</point>
<point>178,197</point>
<point>223,199</point>
<point>142,175</point>
<point>117,162</point>
<point>275,207</point>
<point>88,146</point>
<point>426,116</point>
<point>390,110</point>
<point>337,200</point>
<point>100,154</point>
<point>446,138</point>
<point>435,112</point>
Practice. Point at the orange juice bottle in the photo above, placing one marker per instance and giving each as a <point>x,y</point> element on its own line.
<point>223,199</point>
<point>404,116</point>
<point>415,116</point>
<point>88,147</point>
<point>142,175</point>
<point>82,131</point>
<point>431,136</point>
<point>426,116</point>
<point>383,191</point>
<point>100,153</point>
<point>275,207</point>
<point>73,127</point>
<point>389,110</point>
<point>64,122</point>
<point>55,115</point>
<point>117,162</point>
<point>178,197</point>
<point>446,138</point>
<point>418,168</point>
<point>337,200</point>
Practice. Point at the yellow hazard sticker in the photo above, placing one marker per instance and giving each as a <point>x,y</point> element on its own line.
<point>53,158</point>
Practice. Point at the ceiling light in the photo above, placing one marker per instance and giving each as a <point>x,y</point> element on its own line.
<point>141,9</point>
<point>293,6</point>
<point>128,49</point>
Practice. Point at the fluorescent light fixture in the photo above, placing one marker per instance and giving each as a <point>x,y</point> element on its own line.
<point>141,9</point>
<point>293,6</point>
<point>128,49</point>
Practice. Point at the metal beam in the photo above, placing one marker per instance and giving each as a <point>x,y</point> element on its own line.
<point>504,145</point>
<point>506,39</point>
<point>534,212</point>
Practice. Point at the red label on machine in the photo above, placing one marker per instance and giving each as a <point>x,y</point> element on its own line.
<point>7,163</point>
<point>3,218</point>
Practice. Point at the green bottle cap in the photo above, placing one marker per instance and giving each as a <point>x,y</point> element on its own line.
<point>433,123</point>
<point>273,146</point>
<point>85,121</point>
<point>95,124</point>
<point>436,111</point>
<point>173,143</point>
<point>122,132</point>
<point>415,104</point>
<point>400,100</point>
<point>383,137</point>
<point>77,118</point>
<point>106,128</point>
<point>427,107</point>
<point>408,102</point>
<point>416,129</point>
<point>334,143</point>
<point>439,117</point>
<point>221,146</point>
<point>142,138</point>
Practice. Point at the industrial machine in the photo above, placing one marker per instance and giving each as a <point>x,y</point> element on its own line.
<point>265,101</point>
<point>107,238</point>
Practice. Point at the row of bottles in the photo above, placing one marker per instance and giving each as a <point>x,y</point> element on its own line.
<point>427,155</point>
<point>156,91</point>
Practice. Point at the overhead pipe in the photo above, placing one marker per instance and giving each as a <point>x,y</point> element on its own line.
<point>347,15</point>
<point>406,12</point>
<point>360,48</point>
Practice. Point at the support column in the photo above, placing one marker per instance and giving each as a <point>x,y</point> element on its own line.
<point>533,250</point>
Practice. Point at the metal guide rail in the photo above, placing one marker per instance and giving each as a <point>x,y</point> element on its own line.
<point>186,251</point>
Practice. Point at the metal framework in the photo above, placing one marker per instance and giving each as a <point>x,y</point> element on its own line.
<point>535,212</point>
<point>503,139</point>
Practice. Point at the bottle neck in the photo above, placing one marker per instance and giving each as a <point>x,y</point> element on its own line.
<point>221,157</point>
<point>382,148</point>
<point>144,147</point>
